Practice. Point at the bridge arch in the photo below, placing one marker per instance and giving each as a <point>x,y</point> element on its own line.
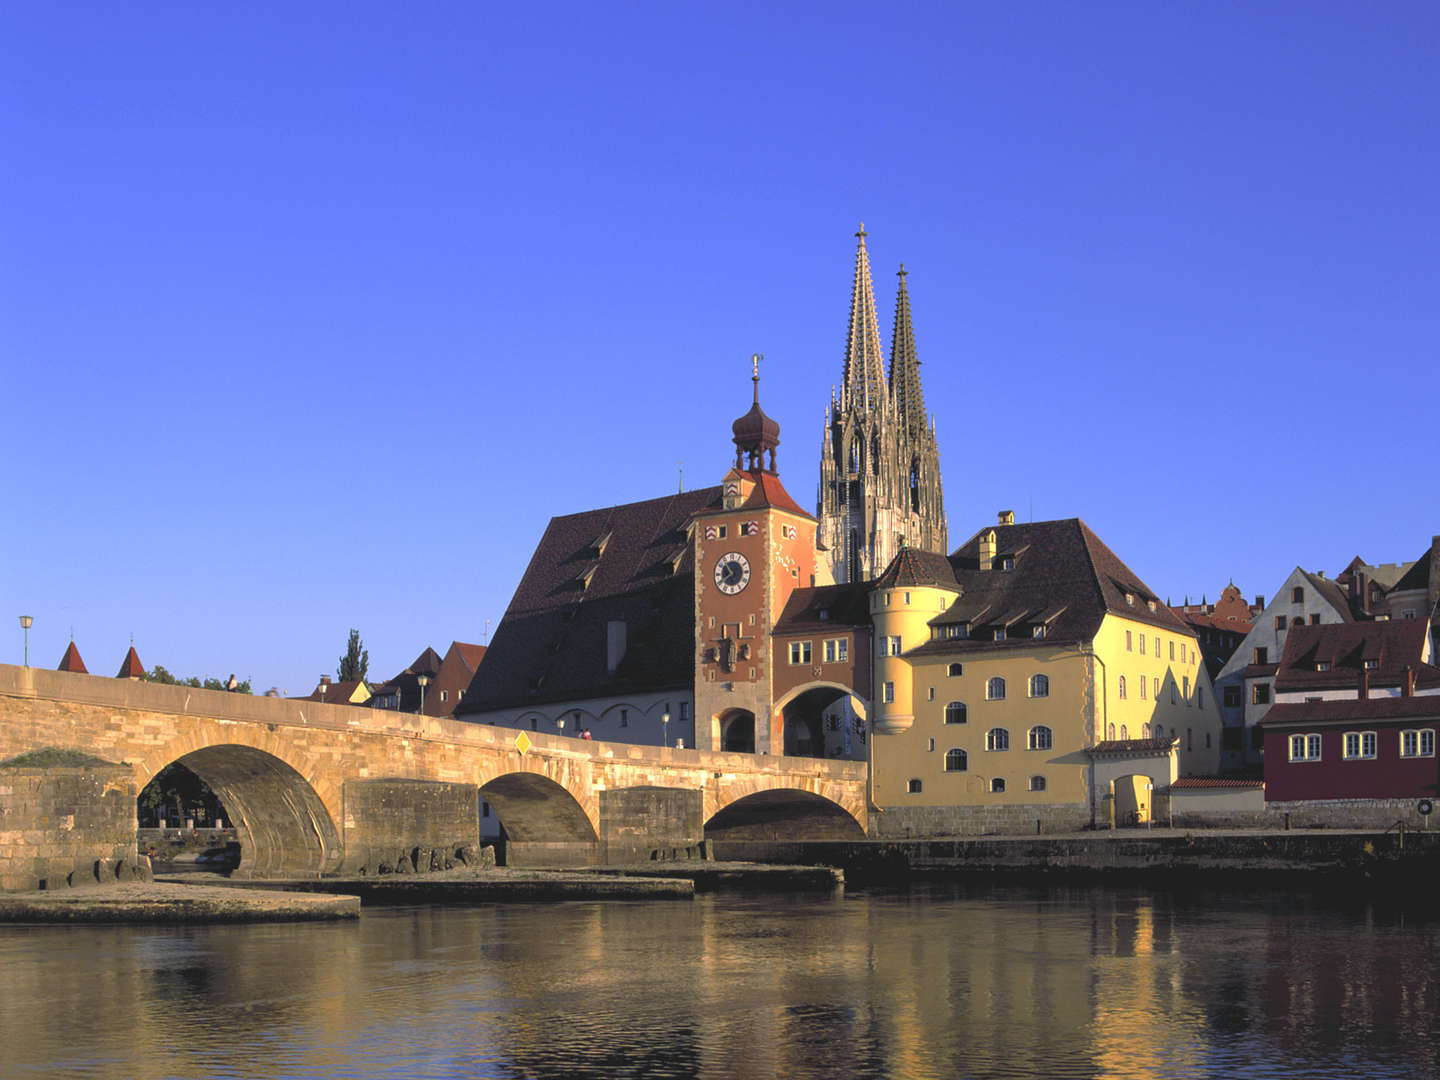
<point>543,821</point>
<point>283,825</point>
<point>783,813</point>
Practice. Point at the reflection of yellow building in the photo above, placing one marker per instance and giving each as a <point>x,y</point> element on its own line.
<point>1030,678</point>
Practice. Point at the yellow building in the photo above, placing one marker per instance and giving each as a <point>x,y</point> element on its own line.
<point>1030,680</point>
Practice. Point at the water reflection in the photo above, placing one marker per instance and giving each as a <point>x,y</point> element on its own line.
<point>935,981</point>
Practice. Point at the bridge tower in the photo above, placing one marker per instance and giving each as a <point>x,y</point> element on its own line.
<point>750,553</point>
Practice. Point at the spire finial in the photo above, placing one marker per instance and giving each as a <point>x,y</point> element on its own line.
<point>755,359</point>
<point>902,273</point>
<point>862,234</point>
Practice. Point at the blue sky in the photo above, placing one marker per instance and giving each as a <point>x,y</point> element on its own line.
<point>310,320</point>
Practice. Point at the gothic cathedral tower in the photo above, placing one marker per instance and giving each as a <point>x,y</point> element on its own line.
<point>879,462</point>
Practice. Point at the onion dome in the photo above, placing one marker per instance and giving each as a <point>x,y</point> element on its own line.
<point>755,433</point>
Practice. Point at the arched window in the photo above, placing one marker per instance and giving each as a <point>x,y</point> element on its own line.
<point>856,455</point>
<point>997,738</point>
<point>1037,783</point>
<point>915,485</point>
<point>1122,687</point>
<point>955,669</point>
<point>997,786</point>
<point>995,689</point>
<point>916,787</point>
<point>1041,737</point>
<point>956,713</point>
<point>956,761</point>
<point>1039,685</point>
<point>1124,732</point>
<point>1110,733</point>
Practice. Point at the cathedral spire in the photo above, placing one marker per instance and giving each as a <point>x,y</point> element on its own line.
<point>905,364</point>
<point>864,365</point>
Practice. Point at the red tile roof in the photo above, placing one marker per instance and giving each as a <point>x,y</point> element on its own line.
<point>1292,714</point>
<point>768,491</point>
<point>71,661</point>
<point>1125,747</point>
<point>1392,645</point>
<point>131,668</point>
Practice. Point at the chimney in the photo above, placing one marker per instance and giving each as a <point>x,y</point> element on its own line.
<point>1365,685</point>
<point>1260,601</point>
<point>1409,690</point>
<point>1007,517</point>
<point>987,550</point>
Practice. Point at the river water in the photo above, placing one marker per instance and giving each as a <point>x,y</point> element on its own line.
<point>937,980</point>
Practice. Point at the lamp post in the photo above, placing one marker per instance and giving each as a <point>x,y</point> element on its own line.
<point>665,728</point>
<point>25,623</point>
<point>560,723</point>
<point>423,680</point>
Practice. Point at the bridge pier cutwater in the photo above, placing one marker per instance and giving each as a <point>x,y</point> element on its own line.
<point>316,789</point>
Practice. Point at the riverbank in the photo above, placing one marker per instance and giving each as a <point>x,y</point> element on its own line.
<point>1354,858</point>
<point>172,902</point>
<point>479,886</point>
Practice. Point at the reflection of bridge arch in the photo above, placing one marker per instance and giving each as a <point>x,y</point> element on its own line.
<point>283,825</point>
<point>783,814</point>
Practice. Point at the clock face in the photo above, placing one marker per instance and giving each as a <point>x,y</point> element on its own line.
<point>732,573</point>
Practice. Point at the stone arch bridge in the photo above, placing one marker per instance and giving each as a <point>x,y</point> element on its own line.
<point>324,789</point>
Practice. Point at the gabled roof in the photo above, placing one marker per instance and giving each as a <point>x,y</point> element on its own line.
<point>131,668</point>
<point>842,606</point>
<point>1333,594</point>
<point>1344,648</point>
<point>427,663</point>
<point>1062,575</point>
<point>551,644</point>
<point>472,654</point>
<point>71,661</point>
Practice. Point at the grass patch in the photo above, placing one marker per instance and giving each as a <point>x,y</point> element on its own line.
<point>50,757</point>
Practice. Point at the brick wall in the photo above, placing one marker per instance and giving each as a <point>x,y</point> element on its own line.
<point>67,826</point>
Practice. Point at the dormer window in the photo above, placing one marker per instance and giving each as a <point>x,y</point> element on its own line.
<point>1130,599</point>
<point>1371,664</point>
<point>999,633</point>
<point>823,614</point>
<point>1038,630</point>
<point>601,543</point>
<point>1322,665</point>
<point>1007,563</point>
<point>1150,604</point>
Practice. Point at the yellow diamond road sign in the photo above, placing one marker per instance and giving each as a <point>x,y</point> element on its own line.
<point>522,742</point>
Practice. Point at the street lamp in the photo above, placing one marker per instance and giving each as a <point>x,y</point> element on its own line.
<point>423,680</point>
<point>25,623</point>
<point>665,728</point>
<point>560,723</point>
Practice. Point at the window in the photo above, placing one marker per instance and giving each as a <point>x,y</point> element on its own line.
<point>997,786</point>
<point>1157,644</point>
<point>1037,783</point>
<point>1142,687</point>
<point>1039,685</point>
<point>995,689</point>
<point>1142,644</point>
<point>1260,694</point>
<point>1124,731</point>
<point>1172,651</point>
<point>1315,619</point>
<point>1297,595</point>
<point>998,634</point>
<point>955,669</point>
<point>892,645</point>
<point>997,738</point>
<point>1186,687</point>
<point>1155,687</point>
<point>1232,697</point>
<point>1110,733</point>
<point>1007,563</point>
<point>1358,744</point>
<point>1304,747</point>
<point>930,694</point>
<point>1172,693</point>
<point>955,713</point>
<point>1372,664</point>
<point>956,761</point>
<point>1417,743</point>
<point>684,710</point>
<point>749,528</point>
<point>799,652</point>
<point>1279,622</point>
<point>1038,630</point>
<point>1130,599</point>
<point>915,787</point>
<point>1261,655</point>
<point>837,650</point>
<point>1408,613</point>
<point>907,598</point>
<point>887,693</point>
<point>722,532</point>
<point>1129,645</point>
<point>1199,696</point>
<point>1322,665</point>
<point>931,746</point>
<point>624,718</point>
<point>1189,739</point>
<point>1122,687</point>
<point>1041,738</point>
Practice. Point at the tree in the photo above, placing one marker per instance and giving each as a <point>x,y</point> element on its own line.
<point>159,674</point>
<point>356,661</point>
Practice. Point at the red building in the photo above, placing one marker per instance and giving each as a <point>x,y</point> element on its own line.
<point>1356,716</point>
